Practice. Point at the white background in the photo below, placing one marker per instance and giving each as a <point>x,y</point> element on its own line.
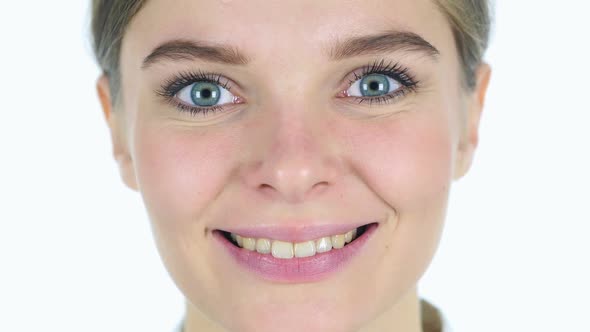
<point>76,252</point>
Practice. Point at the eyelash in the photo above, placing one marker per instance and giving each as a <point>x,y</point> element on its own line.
<point>171,87</point>
<point>392,70</point>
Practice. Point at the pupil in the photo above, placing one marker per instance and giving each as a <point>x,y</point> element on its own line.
<point>206,93</point>
<point>374,85</point>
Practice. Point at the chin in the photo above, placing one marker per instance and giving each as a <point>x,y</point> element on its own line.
<point>309,319</point>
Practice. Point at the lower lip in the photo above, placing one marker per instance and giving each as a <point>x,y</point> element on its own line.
<point>296,270</point>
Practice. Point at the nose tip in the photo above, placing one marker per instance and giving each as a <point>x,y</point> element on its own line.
<point>293,157</point>
<point>295,182</point>
<point>294,171</point>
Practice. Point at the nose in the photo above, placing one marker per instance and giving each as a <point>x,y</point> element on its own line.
<point>295,159</point>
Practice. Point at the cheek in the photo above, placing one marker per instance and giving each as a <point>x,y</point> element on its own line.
<point>408,164</point>
<point>180,171</point>
<point>407,161</point>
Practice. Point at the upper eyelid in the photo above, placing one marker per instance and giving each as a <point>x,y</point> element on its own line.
<point>411,84</point>
<point>182,81</point>
<point>232,85</point>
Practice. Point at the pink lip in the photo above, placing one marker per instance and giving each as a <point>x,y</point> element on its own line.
<point>295,270</point>
<point>294,234</point>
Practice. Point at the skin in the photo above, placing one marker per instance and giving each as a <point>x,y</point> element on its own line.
<point>295,149</point>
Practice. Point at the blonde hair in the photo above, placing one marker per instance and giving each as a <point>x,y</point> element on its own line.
<point>469,20</point>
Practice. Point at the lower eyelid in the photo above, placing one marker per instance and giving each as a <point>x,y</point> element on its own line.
<point>236,99</point>
<point>384,99</point>
<point>204,110</point>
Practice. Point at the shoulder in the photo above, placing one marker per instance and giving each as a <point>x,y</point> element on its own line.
<point>432,318</point>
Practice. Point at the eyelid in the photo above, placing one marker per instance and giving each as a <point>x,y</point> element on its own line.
<point>395,70</point>
<point>181,80</point>
<point>170,89</point>
<point>403,73</point>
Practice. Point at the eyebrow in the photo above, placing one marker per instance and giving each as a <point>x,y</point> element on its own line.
<point>386,42</point>
<point>180,49</point>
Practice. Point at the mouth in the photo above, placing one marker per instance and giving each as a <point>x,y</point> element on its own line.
<point>295,259</point>
<point>288,250</point>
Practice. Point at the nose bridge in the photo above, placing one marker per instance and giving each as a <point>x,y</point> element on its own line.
<point>295,159</point>
<point>295,131</point>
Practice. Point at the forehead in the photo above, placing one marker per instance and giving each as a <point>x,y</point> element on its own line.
<point>286,29</point>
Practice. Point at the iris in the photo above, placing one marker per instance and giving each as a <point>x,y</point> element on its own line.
<point>374,85</point>
<point>205,94</point>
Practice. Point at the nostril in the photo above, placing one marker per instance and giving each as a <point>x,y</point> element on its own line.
<point>320,187</point>
<point>266,186</point>
<point>267,189</point>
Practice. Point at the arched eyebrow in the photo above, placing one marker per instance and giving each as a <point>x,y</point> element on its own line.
<point>382,43</point>
<point>387,42</point>
<point>181,49</point>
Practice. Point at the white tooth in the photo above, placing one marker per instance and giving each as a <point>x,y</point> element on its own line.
<point>233,236</point>
<point>282,249</point>
<point>353,234</point>
<point>304,249</point>
<point>323,245</point>
<point>239,240</point>
<point>338,241</point>
<point>249,243</point>
<point>348,237</point>
<point>263,246</point>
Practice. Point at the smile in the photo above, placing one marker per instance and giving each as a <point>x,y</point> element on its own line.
<point>299,260</point>
<point>288,250</point>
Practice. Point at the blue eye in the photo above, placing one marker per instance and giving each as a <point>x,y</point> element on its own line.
<point>205,94</point>
<point>373,85</point>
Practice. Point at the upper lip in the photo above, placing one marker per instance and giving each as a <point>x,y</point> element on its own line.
<point>296,231</point>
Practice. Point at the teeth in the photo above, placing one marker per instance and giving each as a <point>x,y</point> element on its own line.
<point>249,243</point>
<point>323,245</point>
<point>349,236</point>
<point>288,250</point>
<point>282,249</point>
<point>263,246</point>
<point>240,240</point>
<point>337,241</point>
<point>305,249</point>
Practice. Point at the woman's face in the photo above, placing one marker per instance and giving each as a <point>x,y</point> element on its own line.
<point>329,115</point>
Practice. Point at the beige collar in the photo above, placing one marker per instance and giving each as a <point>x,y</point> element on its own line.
<point>432,319</point>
